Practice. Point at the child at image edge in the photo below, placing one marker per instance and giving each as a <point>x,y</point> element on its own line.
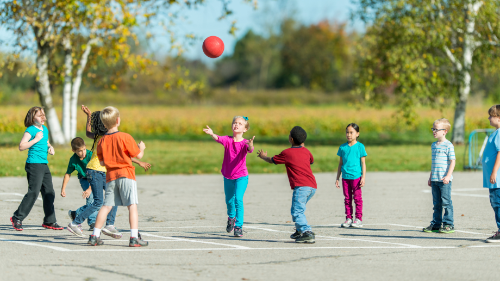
<point>297,160</point>
<point>352,166</point>
<point>491,163</point>
<point>234,170</point>
<point>115,151</point>
<point>443,163</point>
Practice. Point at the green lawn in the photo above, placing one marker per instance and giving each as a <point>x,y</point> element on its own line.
<point>205,157</point>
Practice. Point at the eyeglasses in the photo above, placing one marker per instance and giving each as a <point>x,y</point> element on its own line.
<point>437,130</point>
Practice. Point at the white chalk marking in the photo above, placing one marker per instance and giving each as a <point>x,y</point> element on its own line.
<point>35,244</point>
<point>194,241</point>
<point>463,194</point>
<point>17,194</point>
<point>142,227</point>
<point>412,226</point>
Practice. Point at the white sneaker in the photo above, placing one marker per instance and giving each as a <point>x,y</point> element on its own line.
<point>347,223</point>
<point>357,223</point>
<point>110,230</point>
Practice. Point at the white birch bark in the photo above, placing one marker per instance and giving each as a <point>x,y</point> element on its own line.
<point>68,67</point>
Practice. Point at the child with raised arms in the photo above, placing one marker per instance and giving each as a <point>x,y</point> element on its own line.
<point>36,140</point>
<point>352,166</point>
<point>234,170</point>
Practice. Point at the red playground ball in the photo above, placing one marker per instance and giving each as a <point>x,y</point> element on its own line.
<point>213,47</point>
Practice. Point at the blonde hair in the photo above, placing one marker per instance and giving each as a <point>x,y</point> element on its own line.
<point>444,122</point>
<point>109,116</point>
<point>29,120</point>
<point>247,124</point>
<point>494,111</point>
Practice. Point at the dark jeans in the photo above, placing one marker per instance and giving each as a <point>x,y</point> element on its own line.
<point>441,198</point>
<point>495,204</point>
<point>39,180</point>
<point>97,182</point>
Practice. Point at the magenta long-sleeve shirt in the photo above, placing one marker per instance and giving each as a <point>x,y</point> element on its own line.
<point>235,157</point>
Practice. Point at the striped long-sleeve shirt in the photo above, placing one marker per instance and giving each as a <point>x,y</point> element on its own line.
<point>441,155</point>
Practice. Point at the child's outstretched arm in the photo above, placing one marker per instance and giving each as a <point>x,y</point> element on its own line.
<point>209,131</point>
<point>363,168</point>
<point>26,143</point>
<point>65,182</point>
<point>250,145</point>
<point>263,155</point>
<point>87,111</point>
<point>339,171</point>
<point>144,165</point>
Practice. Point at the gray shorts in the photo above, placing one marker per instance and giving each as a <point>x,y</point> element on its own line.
<point>121,192</point>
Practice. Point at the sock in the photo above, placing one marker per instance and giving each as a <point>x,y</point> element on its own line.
<point>73,223</point>
<point>97,232</point>
<point>134,233</point>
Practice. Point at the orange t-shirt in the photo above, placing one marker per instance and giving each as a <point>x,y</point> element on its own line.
<point>116,150</point>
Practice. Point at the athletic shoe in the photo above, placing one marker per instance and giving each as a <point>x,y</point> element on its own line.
<point>238,232</point>
<point>137,242</point>
<point>447,229</point>
<point>111,231</point>
<point>306,237</point>
<point>16,223</point>
<point>72,215</point>
<point>494,238</point>
<point>53,226</point>
<point>431,228</point>
<point>95,241</point>
<point>295,235</point>
<point>347,223</point>
<point>91,227</point>
<point>75,230</point>
<point>230,224</point>
<point>357,223</point>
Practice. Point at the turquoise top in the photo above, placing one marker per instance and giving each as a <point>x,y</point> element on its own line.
<point>79,165</point>
<point>37,153</point>
<point>351,160</point>
<point>490,155</point>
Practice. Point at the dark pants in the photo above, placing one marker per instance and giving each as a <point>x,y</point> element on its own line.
<point>39,180</point>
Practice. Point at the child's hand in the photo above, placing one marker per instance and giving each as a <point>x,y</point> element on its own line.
<point>493,178</point>
<point>51,150</point>
<point>145,166</point>
<point>208,131</point>
<point>63,193</point>
<point>261,153</point>
<point>446,179</point>
<point>362,182</point>
<point>250,142</point>
<point>429,182</point>
<point>38,136</point>
<point>86,110</point>
<point>142,146</point>
<point>337,184</point>
<point>86,193</point>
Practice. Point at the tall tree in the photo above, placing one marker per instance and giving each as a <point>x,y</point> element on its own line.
<point>424,51</point>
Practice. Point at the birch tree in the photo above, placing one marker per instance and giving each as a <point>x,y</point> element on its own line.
<point>425,51</point>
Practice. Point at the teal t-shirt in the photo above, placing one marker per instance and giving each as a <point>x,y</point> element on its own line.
<point>351,160</point>
<point>79,165</point>
<point>38,152</point>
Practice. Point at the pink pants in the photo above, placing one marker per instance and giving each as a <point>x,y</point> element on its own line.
<point>352,190</point>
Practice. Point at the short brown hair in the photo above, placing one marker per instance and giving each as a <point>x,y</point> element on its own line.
<point>494,111</point>
<point>445,123</point>
<point>77,143</point>
<point>29,120</point>
<point>109,116</point>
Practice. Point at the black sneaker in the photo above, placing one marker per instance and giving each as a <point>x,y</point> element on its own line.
<point>494,238</point>
<point>16,223</point>
<point>91,227</point>
<point>95,241</point>
<point>306,237</point>
<point>447,229</point>
<point>137,242</point>
<point>295,235</point>
<point>72,215</point>
<point>238,232</point>
<point>431,228</point>
<point>230,224</point>
<point>53,226</point>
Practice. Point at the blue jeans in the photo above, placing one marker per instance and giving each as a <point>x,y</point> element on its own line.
<point>234,191</point>
<point>495,204</point>
<point>85,185</point>
<point>301,195</point>
<point>441,198</point>
<point>97,181</point>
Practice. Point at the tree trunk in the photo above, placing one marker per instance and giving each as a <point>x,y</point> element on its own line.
<point>43,89</point>
<point>68,65</point>
<point>76,87</point>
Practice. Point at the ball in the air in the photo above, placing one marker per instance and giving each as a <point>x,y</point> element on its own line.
<point>213,47</point>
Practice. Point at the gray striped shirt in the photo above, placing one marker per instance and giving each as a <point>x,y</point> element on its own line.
<point>441,156</point>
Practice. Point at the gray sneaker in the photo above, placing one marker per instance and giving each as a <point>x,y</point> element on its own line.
<point>357,223</point>
<point>111,231</point>
<point>495,238</point>
<point>347,223</point>
<point>73,228</point>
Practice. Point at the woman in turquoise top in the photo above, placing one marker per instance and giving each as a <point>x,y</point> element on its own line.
<point>36,139</point>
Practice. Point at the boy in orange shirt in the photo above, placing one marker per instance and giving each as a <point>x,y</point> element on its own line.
<point>115,151</point>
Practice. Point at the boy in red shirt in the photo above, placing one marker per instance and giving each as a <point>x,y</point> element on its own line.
<point>297,160</point>
<point>115,150</point>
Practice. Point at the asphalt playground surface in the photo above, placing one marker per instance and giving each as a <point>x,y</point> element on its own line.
<point>183,218</point>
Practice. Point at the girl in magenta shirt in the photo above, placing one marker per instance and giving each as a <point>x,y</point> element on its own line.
<point>234,170</point>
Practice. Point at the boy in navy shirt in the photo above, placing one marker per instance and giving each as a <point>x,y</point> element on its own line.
<point>297,160</point>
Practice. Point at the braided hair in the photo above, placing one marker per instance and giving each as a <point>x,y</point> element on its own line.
<point>96,126</point>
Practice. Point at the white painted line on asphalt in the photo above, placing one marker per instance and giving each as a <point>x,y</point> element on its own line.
<point>17,194</point>
<point>35,245</point>
<point>412,226</point>
<point>462,194</point>
<point>182,226</point>
<point>194,241</point>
